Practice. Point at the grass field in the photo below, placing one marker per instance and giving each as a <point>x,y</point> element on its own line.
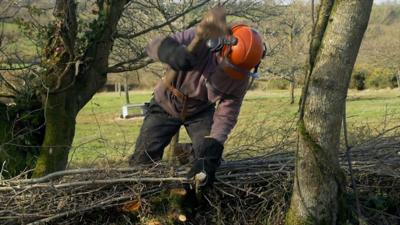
<point>265,120</point>
<point>16,42</point>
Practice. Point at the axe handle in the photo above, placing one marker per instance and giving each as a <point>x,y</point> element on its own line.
<point>171,74</point>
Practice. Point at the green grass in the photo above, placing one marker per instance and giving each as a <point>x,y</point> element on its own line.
<point>103,138</point>
<point>10,28</point>
<point>101,133</point>
<point>16,42</point>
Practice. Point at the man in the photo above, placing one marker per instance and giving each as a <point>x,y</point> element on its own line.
<point>206,78</point>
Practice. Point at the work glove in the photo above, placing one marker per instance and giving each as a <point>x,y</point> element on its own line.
<point>208,161</point>
<point>175,55</point>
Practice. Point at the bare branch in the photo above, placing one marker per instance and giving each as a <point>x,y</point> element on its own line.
<point>158,26</point>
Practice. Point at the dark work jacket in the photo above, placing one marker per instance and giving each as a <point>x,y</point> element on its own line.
<point>205,85</point>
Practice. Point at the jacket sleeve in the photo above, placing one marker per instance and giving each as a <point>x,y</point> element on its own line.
<point>225,118</point>
<point>184,38</point>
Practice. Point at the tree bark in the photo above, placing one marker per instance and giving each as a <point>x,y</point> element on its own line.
<point>318,179</point>
<point>59,134</point>
<point>126,89</point>
<point>292,71</point>
<point>292,86</point>
<point>71,87</point>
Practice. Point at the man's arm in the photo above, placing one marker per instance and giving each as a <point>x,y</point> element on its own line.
<point>172,51</point>
<point>225,118</point>
<point>210,153</point>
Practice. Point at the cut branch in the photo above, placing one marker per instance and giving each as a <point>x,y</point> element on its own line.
<point>245,189</point>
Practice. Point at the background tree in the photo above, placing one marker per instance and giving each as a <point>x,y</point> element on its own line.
<point>290,31</point>
<point>318,182</point>
<point>73,73</point>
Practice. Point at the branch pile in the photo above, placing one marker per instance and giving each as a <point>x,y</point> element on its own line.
<point>248,191</point>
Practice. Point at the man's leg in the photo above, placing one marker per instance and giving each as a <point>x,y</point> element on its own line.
<point>156,133</point>
<point>199,126</point>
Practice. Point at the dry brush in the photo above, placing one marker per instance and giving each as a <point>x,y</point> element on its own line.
<point>248,191</point>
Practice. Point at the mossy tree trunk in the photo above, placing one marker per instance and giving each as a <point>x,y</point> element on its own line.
<point>75,71</point>
<point>59,134</point>
<point>334,47</point>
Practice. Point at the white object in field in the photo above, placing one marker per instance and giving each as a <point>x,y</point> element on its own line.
<point>131,110</point>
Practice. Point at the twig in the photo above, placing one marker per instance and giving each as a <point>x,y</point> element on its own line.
<point>98,182</point>
<point>348,156</point>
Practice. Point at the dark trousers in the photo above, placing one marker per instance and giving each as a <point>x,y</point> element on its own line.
<point>159,127</point>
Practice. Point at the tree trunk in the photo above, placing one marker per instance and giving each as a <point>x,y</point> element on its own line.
<point>59,134</point>
<point>398,78</point>
<point>292,86</point>
<point>292,74</point>
<point>318,179</point>
<point>126,89</point>
<point>71,87</point>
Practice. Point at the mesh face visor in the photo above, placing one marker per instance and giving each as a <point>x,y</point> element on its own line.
<point>216,44</point>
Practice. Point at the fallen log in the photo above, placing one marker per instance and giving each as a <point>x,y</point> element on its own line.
<point>255,190</point>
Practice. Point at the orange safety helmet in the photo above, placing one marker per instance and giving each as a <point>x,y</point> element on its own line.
<point>245,54</point>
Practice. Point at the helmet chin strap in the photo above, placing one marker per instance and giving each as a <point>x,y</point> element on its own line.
<point>251,74</point>
<point>255,74</point>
